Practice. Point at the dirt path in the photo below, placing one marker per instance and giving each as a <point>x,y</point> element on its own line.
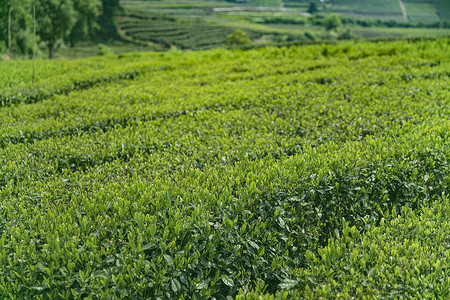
<point>402,7</point>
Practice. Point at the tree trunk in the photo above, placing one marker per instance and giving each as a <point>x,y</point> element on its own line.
<point>9,27</point>
<point>51,49</point>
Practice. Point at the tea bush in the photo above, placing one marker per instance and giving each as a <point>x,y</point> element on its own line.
<point>228,173</point>
<point>405,255</point>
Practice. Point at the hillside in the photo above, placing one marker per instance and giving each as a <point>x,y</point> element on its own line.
<point>410,10</point>
<point>311,172</point>
<point>167,24</point>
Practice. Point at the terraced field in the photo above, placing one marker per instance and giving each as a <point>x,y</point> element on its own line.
<point>443,9</point>
<point>297,4</point>
<point>312,171</point>
<point>416,10</point>
<point>171,32</point>
<point>169,24</point>
<point>376,8</point>
<point>421,11</point>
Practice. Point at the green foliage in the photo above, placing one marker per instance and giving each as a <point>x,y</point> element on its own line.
<point>108,27</point>
<point>404,255</point>
<point>86,25</point>
<point>2,48</point>
<point>393,23</point>
<point>332,22</point>
<point>154,175</point>
<point>168,32</point>
<point>55,19</point>
<point>278,19</point>
<point>238,38</point>
<point>259,293</point>
<point>19,27</point>
<point>347,35</point>
<point>310,35</point>
<point>104,50</point>
<point>312,9</point>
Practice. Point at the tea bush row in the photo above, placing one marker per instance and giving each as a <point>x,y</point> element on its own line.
<point>405,255</point>
<point>188,182</point>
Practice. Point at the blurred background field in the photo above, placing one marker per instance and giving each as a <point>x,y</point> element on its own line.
<point>162,25</point>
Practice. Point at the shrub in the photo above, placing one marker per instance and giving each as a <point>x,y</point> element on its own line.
<point>332,21</point>
<point>310,35</point>
<point>312,8</point>
<point>406,255</point>
<point>238,38</point>
<point>104,50</point>
<point>347,35</point>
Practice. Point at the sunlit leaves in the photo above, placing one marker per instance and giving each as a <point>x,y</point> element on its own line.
<point>183,181</point>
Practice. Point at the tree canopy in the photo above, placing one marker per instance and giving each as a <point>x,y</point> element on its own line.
<point>15,24</point>
<point>238,38</point>
<point>312,8</point>
<point>86,26</point>
<point>332,21</point>
<point>55,19</point>
<point>108,27</point>
<point>69,21</point>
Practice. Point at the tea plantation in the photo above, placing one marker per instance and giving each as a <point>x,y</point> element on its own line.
<point>298,172</point>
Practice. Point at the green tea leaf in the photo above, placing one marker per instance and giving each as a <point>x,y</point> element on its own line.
<point>228,281</point>
<point>175,285</point>
<point>287,284</point>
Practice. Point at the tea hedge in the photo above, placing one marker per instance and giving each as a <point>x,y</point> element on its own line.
<point>187,182</point>
<point>406,255</point>
<point>53,79</point>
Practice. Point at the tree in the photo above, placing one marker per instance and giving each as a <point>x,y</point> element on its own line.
<point>312,8</point>
<point>238,38</point>
<point>347,35</point>
<point>10,8</point>
<point>108,26</point>
<point>15,29</point>
<point>86,26</point>
<point>332,21</point>
<point>55,19</point>
<point>71,21</point>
